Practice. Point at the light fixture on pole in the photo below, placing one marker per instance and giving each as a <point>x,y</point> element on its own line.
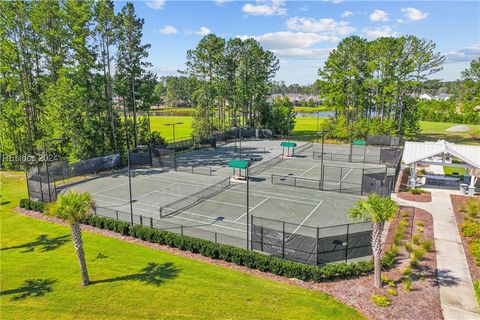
<point>173,128</point>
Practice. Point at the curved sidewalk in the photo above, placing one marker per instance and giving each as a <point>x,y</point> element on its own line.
<point>457,295</point>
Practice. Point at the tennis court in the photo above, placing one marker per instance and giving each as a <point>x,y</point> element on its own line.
<point>219,214</point>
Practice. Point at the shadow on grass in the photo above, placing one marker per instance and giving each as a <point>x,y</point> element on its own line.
<point>30,288</point>
<point>153,273</point>
<point>43,241</point>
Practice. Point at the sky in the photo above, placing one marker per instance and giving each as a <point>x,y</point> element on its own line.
<point>302,33</point>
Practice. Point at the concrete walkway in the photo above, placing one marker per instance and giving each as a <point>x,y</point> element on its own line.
<point>457,295</point>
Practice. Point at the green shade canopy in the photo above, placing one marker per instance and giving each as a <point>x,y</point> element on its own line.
<point>239,164</point>
<point>288,144</point>
<point>359,142</point>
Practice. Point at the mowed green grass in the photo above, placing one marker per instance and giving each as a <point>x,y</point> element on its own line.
<point>40,279</point>
<point>158,123</point>
<point>432,131</point>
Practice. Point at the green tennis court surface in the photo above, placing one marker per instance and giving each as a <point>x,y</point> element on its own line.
<point>211,206</point>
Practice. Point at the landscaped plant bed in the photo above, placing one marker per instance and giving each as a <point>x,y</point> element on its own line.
<point>423,301</point>
<point>425,196</point>
<point>457,201</point>
<point>356,292</point>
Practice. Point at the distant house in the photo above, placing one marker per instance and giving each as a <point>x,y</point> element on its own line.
<point>443,96</point>
<point>299,99</point>
<point>425,96</point>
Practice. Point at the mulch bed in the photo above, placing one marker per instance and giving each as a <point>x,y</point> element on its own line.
<point>425,196</point>
<point>422,302</point>
<point>457,201</point>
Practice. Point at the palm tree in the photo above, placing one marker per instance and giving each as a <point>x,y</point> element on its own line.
<point>379,210</point>
<point>74,207</point>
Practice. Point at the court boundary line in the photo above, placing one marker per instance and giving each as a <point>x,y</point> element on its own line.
<point>306,218</point>
<point>253,208</point>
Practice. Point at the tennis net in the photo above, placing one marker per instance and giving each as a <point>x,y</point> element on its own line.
<point>262,166</point>
<point>193,199</point>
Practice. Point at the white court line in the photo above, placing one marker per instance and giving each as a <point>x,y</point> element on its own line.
<point>117,185</point>
<point>346,175</point>
<point>315,166</point>
<point>157,190</point>
<point>196,183</point>
<point>177,217</point>
<point>202,215</point>
<point>253,208</point>
<point>279,198</point>
<point>306,218</point>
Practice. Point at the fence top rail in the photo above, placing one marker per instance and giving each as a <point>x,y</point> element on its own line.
<point>311,227</point>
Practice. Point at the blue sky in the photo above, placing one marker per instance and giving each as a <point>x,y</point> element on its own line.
<point>301,33</point>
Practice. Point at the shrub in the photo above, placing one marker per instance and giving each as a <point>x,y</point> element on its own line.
<point>32,205</point>
<point>389,282</point>
<point>471,207</point>
<point>420,224</point>
<point>404,223</point>
<point>476,285</point>
<point>475,251</point>
<point>420,229</point>
<point>427,245</point>
<point>416,239</point>
<point>413,263</point>
<point>407,284</point>
<point>388,259</point>
<point>407,271</point>
<point>418,253</point>
<point>471,228</point>
<point>416,191</point>
<point>392,292</point>
<point>380,300</point>
<point>404,214</point>
<point>409,247</point>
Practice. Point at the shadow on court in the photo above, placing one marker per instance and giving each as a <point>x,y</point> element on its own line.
<point>43,242</point>
<point>154,273</point>
<point>30,288</point>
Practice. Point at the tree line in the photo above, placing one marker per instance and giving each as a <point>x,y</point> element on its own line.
<point>62,63</point>
<point>372,84</point>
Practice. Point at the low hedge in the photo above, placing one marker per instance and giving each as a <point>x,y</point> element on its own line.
<point>242,257</point>
<point>32,205</point>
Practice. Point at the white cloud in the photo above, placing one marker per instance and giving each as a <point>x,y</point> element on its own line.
<point>464,55</point>
<point>379,15</point>
<point>333,1</point>
<point>219,2</point>
<point>326,26</point>
<point>155,4</point>
<point>168,29</point>
<point>294,44</point>
<point>400,20</point>
<point>384,31</point>
<point>346,14</point>
<point>413,14</point>
<point>266,8</point>
<point>304,7</point>
<point>203,31</point>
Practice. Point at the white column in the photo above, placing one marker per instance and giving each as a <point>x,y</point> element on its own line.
<point>413,176</point>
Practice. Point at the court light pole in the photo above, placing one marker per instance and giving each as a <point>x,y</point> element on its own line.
<point>130,187</point>
<point>173,128</point>
<point>248,207</point>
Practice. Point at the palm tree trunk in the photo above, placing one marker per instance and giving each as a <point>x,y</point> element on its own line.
<point>78,244</point>
<point>377,252</point>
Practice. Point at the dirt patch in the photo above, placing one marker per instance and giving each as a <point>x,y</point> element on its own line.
<point>425,196</point>
<point>421,301</point>
<point>459,216</point>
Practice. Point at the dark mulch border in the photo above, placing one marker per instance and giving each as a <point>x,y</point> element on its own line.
<point>425,196</point>
<point>457,201</point>
<point>423,301</point>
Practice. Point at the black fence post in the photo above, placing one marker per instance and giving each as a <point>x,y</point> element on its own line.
<point>215,237</point>
<point>261,238</point>
<point>141,220</point>
<point>116,214</point>
<point>346,246</point>
<point>181,229</point>
<point>316,246</point>
<point>151,222</point>
<point>361,187</point>
<point>283,239</point>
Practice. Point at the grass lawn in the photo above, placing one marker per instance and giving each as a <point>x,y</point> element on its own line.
<point>450,170</point>
<point>40,279</point>
<point>184,130</point>
<point>432,131</point>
